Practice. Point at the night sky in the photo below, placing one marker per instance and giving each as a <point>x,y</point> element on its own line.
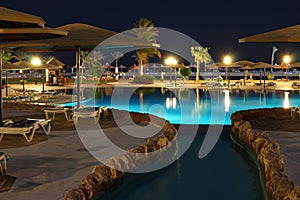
<point>214,24</point>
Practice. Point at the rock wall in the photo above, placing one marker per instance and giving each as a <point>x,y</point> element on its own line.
<point>103,178</point>
<point>25,107</point>
<point>278,185</point>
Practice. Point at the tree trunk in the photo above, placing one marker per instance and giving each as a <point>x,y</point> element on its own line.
<point>197,71</point>
<point>141,68</point>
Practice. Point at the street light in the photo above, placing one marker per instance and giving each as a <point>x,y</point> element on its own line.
<point>171,61</point>
<point>286,61</point>
<point>36,61</point>
<point>227,60</point>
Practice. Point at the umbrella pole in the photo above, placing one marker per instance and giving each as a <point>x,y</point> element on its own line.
<point>1,105</point>
<point>228,80</point>
<point>264,77</point>
<point>244,77</point>
<point>43,82</point>
<point>260,77</point>
<point>23,82</point>
<point>78,74</point>
<point>6,83</point>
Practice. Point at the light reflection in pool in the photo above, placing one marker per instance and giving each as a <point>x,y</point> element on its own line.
<point>200,106</point>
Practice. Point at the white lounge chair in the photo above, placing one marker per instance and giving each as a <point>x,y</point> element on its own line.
<point>295,111</point>
<point>102,110</point>
<point>3,159</point>
<point>85,113</point>
<point>26,127</point>
<point>56,110</point>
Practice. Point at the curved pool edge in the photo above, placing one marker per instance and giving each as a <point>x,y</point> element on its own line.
<point>278,184</point>
<point>253,158</point>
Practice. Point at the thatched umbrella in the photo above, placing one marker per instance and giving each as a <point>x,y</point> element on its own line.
<point>246,68</point>
<point>227,66</point>
<point>43,66</point>
<point>246,65</point>
<point>80,37</point>
<point>288,34</point>
<point>263,65</point>
<point>16,26</point>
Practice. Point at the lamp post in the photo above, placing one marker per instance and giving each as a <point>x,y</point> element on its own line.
<point>36,61</point>
<point>227,60</point>
<point>171,61</point>
<point>286,61</point>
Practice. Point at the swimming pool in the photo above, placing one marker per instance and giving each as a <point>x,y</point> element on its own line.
<point>227,172</point>
<point>188,106</point>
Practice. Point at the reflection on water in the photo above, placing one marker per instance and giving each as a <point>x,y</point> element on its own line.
<point>286,102</point>
<point>189,106</point>
<point>227,101</point>
<point>171,102</point>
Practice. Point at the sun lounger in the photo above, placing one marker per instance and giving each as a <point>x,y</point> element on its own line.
<point>26,127</point>
<point>295,111</point>
<point>56,110</point>
<point>85,113</point>
<point>3,159</point>
<point>295,85</point>
<point>102,110</point>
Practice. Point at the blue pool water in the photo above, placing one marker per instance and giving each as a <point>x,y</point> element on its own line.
<point>192,106</point>
<point>227,172</point>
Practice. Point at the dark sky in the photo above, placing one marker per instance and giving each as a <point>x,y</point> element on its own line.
<point>216,24</point>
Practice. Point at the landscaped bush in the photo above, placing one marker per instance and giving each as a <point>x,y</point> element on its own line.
<point>143,79</point>
<point>271,77</point>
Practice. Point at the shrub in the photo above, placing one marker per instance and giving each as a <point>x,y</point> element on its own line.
<point>270,76</point>
<point>143,79</point>
<point>185,72</point>
<point>218,79</point>
<point>21,82</point>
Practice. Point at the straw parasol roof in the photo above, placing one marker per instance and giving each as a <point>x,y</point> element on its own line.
<point>244,63</point>
<point>263,65</point>
<point>297,64</point>
<point>80,35</point>
<point>16,26</point>
<point>288,34</point>
<point>13,19</point>
<point>230,65</point>
<point>12,66</point>
<point>30,66</point>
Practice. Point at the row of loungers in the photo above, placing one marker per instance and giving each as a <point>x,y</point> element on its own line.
<point>75,114</point>
<point>31,96</point>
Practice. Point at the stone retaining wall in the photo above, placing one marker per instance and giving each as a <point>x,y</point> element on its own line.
<point>25,107</point>
<point>278,185</point>
<point>103,178</point>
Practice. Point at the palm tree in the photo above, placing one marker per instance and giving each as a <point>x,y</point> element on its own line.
<point>6,58</point>
<point>83,56</point>
<point>95,65</point>
<point>201,56</point>
<point>144,30</point>
<point>116,56</point>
